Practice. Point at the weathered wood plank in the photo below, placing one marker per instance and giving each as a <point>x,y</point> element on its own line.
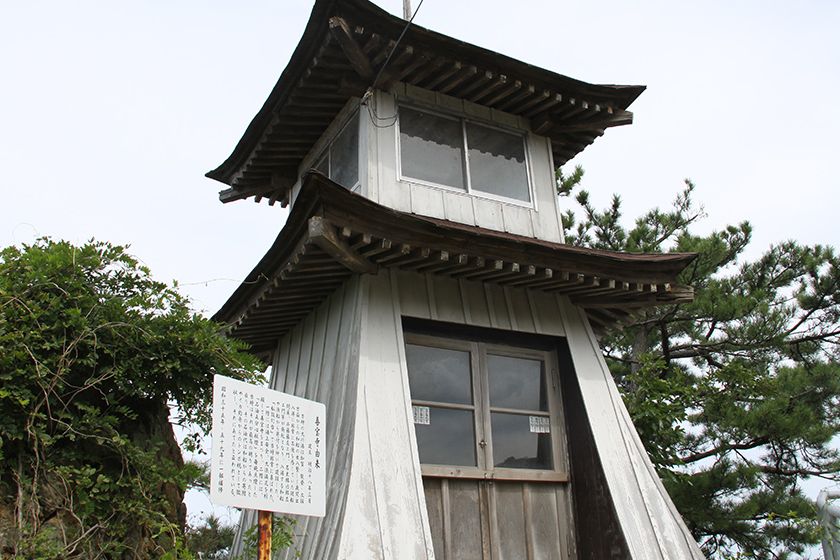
<point>544,522</point>
<point>324,235</point>
<point>427,201</point>
<point>488,214</point>
<point>448,300</point>
<point>475,303</point>
<point>434,507</point>
<point>387,429</point>
<point>497,307</point>
<point>517,220</point>
<point>414,300</point>
<point>465,534</point>
<point>520,309</point>
<point>658,532</point>
<point>510,519</point>
<point>458,208</point>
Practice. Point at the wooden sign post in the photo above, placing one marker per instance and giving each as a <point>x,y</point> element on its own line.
<point>268,454</point>
<point>265,522</point>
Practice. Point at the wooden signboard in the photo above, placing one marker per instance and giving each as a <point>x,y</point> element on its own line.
<point>268,450</point>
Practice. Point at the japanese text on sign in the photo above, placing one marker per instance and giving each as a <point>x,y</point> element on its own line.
<point>268,449</point>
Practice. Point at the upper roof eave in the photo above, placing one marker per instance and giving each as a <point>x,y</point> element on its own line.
<point>304,51</point>
<point>365,14</point>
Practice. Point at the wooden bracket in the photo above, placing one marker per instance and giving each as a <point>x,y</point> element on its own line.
<point>618,118</point>
<point>323,234</point>
<point>232,194</point>
<point>357,57</point>
<point>277,189</point>
<point>541,124</point>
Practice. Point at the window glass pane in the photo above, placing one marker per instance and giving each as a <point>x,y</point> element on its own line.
<point>519,442</point>
<point>323,165</point>
<point>344,155</point>
<point>438,374</point>
<point>516,383</point>
<point>431,148</point>
<point>448,438</point>
<point>497,162</point>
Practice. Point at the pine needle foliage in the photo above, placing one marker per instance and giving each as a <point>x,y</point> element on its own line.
<point>736,395</point>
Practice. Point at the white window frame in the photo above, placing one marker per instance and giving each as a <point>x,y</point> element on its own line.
<point>465,147</point>
<point>485,468</point>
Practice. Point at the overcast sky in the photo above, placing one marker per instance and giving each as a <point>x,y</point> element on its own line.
<point>111,113</point>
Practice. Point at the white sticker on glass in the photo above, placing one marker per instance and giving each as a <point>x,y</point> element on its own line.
<point>422,415</point>
<point>539,424</point>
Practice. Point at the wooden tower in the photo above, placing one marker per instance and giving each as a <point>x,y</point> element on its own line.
<point>421,289</point>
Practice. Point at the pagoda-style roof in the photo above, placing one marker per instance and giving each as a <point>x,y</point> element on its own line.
<point>342,55</point>
<point>332,233</point>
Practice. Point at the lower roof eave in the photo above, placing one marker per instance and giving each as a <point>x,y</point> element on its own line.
<point>332,234</point>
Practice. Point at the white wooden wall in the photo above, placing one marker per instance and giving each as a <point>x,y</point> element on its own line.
<point>652,526</point>
<point>650,522</point>
<point>481,305</point>
<point>385,482</point>
<point>350,354</point>
<point>382,185</point>
<point>386,485</point>
<point>319,360</point>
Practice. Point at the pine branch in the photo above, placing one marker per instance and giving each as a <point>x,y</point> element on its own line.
<point>752,444</point>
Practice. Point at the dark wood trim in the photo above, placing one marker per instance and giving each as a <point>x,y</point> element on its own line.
<point>344,43</point>
<point>332,233</point>
<point>598,531</point>
<point>323,234</point>
<point>357,57</point>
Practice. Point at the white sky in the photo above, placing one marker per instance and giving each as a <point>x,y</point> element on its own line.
<point>111,113</point>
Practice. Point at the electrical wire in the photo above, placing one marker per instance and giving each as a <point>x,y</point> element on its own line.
<point>374,117</point>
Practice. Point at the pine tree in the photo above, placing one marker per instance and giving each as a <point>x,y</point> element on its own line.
<point>736,395</point>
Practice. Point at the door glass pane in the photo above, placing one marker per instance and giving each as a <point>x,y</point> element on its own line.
<point>516,383</point>
<point>431,148</point>
<point>497,162</point>
<point>344,155</point>
<point>448,438</point>
<point>519,442</point>
<point>439,374</point>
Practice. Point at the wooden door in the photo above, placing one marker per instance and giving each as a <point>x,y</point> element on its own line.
<point>492,446</point>
<point>484,520</point>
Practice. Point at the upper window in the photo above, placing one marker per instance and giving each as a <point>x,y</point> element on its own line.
<point>340,161</point>
<point>482,408</point>
<point>463,155</point>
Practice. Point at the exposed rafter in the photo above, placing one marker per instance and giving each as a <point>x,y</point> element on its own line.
<point>333,233</point>
<point>357,57</point>
<point>346,44</point>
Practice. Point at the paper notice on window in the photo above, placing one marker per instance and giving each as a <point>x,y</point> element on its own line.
<point>539,424</point>
<point>422,415</point>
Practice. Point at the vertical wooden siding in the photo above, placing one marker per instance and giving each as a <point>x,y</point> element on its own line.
<point>440,298</point>
<point>350,354</point>
<point>319,360</point>
<point>385,483</point>
<point>599,533</point>
<point>474,520</point>
<point>541,219</point>
<point>652,527</point>
<point>527,520</point>
<point>648,519</point>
